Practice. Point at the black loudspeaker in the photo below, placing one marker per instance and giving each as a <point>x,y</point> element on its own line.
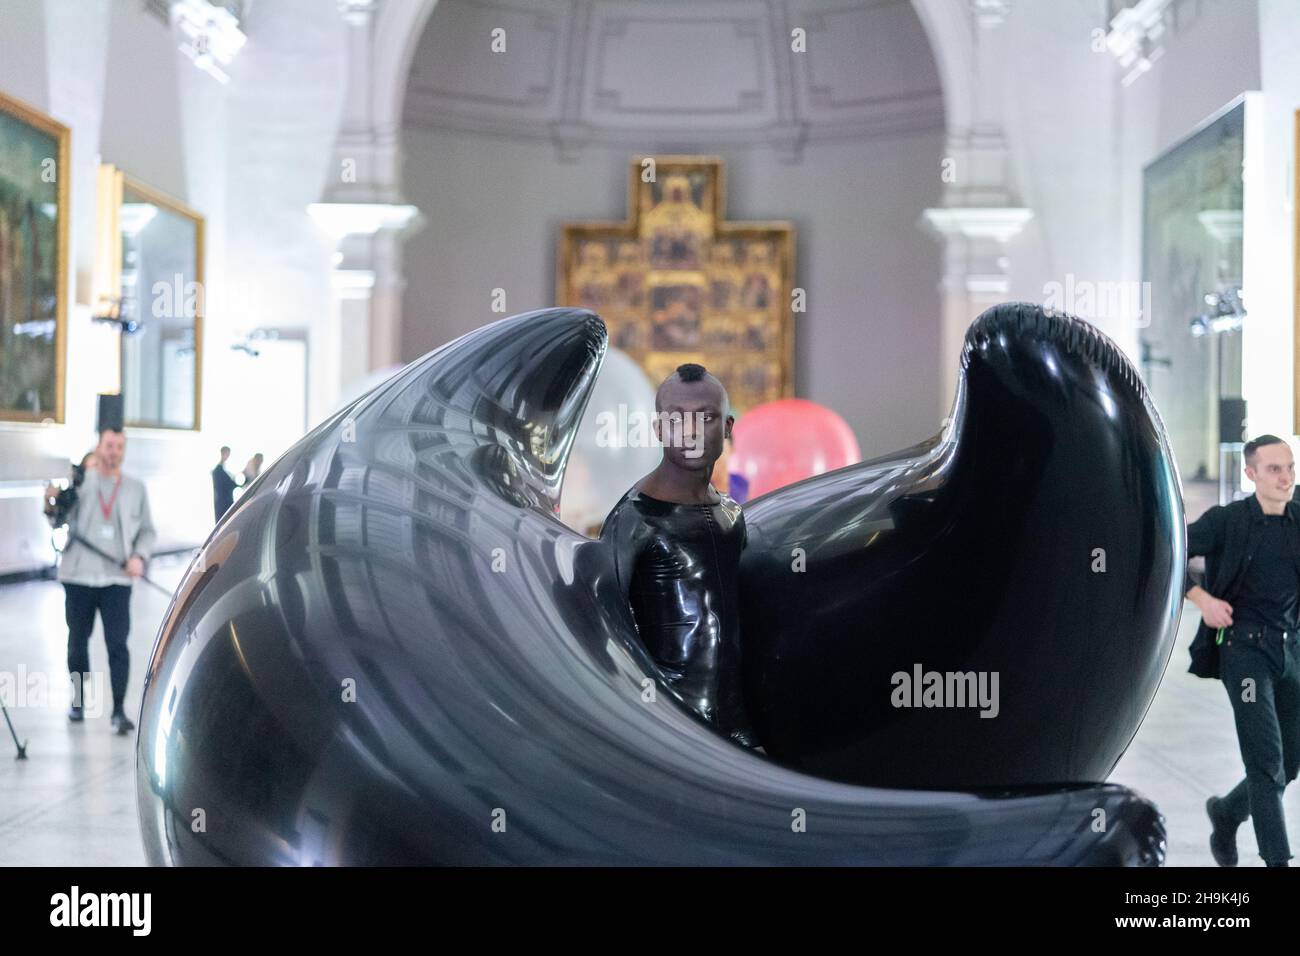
<point>1232,420</point>
<point>110,413</point>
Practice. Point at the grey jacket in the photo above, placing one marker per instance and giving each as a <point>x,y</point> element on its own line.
<point>130,523</point>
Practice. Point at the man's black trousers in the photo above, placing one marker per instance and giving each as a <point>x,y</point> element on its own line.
<point>114,606</point>
<point>1261,671</point>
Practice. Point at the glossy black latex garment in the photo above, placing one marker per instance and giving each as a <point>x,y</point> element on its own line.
<point>678,563</point>
<point>391,651</point>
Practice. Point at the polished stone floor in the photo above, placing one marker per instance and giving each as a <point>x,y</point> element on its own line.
<point>72,802</point>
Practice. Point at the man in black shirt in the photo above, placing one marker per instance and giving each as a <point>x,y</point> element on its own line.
<point>1250,608</point>
<point>677,543</point>
<point>223,486</point>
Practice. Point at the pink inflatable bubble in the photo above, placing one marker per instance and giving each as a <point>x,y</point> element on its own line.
<point>781,442</point>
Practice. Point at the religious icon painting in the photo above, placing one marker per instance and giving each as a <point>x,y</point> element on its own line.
<point>678,283</point>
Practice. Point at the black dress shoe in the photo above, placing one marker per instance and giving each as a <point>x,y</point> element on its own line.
<point>75,714</point>
<point>1223,835</point>
<point>122,724</point>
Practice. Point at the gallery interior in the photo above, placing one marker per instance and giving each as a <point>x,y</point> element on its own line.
<point>308,276</point>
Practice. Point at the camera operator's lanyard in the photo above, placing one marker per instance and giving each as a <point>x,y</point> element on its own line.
<point>106,530</point>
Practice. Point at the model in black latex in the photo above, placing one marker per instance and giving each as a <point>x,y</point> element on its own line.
<point>677,543</point>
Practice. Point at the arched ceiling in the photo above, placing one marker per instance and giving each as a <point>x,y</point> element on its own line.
<point>718,72</point>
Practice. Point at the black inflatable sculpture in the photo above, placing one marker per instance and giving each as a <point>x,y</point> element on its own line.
<point>1039,538</point>
<point>391,650</point>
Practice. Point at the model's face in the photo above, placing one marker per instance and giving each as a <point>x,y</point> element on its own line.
<point>1273,472</point>
<point>225,453</point>
<point>110,451</point>
<point>692,423</point>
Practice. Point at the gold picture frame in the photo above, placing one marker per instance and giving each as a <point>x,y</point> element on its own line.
<point>115,189</point>
<point>675,282</point>
<point>29,140</point>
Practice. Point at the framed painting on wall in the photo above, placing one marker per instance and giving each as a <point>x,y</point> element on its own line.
<point>33,263</point>
<point>153,285</point>
<point>677,283</point>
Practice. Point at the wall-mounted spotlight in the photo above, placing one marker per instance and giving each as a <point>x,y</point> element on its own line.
<point>109,312</point>
<point>1135,34</point>
<point>209,33</point>
<point>1226,313</point>
<point>248,346</point>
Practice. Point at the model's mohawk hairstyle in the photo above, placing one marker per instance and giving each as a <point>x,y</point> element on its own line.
<point>691,372</point>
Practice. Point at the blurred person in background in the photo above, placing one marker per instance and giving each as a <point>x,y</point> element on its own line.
<point>112,513</point>
<point>223,485</point>
<point>252,469</point>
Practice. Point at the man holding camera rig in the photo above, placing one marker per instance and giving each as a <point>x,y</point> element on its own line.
<point>109,513</point>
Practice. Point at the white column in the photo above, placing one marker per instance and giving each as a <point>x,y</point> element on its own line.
<point>362,210</point>
<point>76,54</point>
<point>1270,284</point>
<point>976,273</point>
<point>979,215</point>
<point>367,287</point>
<point>353,289</point>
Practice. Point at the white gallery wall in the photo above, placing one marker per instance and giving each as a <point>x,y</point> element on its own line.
<point>248,155</point>
<point>1210,59</point>
<point>1269,251</point>
<point>1080,138</point>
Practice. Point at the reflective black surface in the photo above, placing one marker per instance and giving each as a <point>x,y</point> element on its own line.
<point>391,651</point>
<point>1039,538</point>
<point>678,566</point>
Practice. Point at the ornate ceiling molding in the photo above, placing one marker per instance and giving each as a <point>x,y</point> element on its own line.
<point>578,73</point>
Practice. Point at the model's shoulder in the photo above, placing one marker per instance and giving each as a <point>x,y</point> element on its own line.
<point>624,502</point>
<point>624,506</point>
<point>731,506</point>
<point>646,504</point>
